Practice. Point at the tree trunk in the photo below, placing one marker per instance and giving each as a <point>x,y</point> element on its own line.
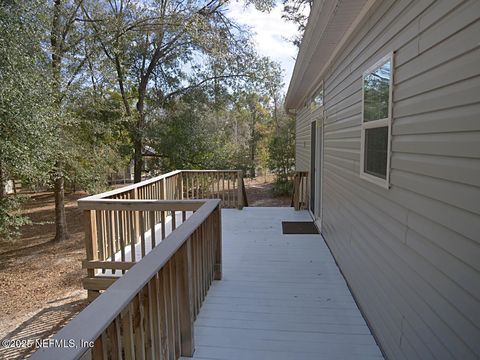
<point>2,183</point>
<point>142,92</point>
<point>252,153</point>
<point>275,115</point>
<point>137,140</point>
<point>137,159</point>
<point>253,148</point>
<point>59,191</point>
<point>118,67</point>
<point>61,233</point>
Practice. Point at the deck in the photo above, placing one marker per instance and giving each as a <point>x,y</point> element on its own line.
<point>281,296</point>
<point>176,268</point>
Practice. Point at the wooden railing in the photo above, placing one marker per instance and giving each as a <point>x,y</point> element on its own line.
<point>226,185</point>
<point>120,233</point>
<point>300,190</point>
<point>149,311</point>
<point>123,225</point>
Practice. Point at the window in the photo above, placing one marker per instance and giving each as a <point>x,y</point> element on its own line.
<point>317,99</point>
<point>376,122</point>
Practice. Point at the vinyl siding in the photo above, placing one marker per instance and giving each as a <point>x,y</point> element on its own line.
<point>303,140</point>
<point>411,254</point>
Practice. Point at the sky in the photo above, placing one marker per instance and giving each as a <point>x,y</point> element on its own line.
<point>271,32</point>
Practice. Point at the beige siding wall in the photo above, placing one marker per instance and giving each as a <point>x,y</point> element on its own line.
<point>411,254</point>
<point>303,140</point>
<point>303,136</point>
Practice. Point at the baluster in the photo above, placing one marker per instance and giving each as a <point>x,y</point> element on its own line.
<point>152,229</point>
<point>185,300</point>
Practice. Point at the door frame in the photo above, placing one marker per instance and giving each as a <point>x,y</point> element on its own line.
<point>313,161</point>
<point>317,212</point>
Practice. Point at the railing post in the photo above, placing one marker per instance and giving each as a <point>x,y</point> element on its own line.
<point>180,186</point>
<point>90,247</point>
<point>217,229</point>
<point>300,195</point>
<point>306,192</point>
<point>295,191</point>
<point>240,190</point>
<point>163,190</point>
<point>137,218</point>
<point>185,298</point>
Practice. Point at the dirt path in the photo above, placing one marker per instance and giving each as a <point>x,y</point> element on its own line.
<point>259,193</point>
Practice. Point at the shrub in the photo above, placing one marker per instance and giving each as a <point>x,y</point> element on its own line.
<point>10,218</point>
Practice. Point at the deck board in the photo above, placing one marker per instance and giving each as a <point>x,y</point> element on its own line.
<point>281,296</point>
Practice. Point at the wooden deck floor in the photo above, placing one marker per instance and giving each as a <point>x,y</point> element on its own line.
<point>281,297</point>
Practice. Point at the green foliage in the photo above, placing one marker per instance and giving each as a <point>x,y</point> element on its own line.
<point>24,107</point>
<point>97,136</point>
<point>24,91</point>
<point>282,187</point>
<point>282,155</point>
<point>10,219</point>
<point>87,85</point>
<point>217,126</point>
<point>297,11</point>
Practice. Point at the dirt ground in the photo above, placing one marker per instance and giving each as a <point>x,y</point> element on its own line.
<point>259,192</point>
<point>40,281</point>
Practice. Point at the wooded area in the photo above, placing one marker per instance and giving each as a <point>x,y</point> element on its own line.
<point>88,87</point>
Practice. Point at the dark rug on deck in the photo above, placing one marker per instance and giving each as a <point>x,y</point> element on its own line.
<point>299,227</point>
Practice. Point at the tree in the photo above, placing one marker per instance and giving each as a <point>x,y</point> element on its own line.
<point>255,108</point>
<point>25,134</point>
<point>66,64</point>
<point>99,144</point>
<point>151,43</point>
<point>223,124</point>
<point>297,11</point>
<point>282,154</point>
<point>87,85</point>
<point>74,66</point>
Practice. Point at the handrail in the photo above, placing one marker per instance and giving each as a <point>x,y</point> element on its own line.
<point>224,184</point>
<point>140,205</point>
<point>123,224</point>
<point>185,184</point>
<point>128,188</point>
<point>100,322</point>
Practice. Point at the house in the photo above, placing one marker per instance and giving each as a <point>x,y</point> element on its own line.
<point>126,174</point>
<point>177,266</point>
<point>386,96</point>
<point>12,186</point>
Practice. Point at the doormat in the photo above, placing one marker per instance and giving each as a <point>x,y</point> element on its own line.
<point>299,227</point>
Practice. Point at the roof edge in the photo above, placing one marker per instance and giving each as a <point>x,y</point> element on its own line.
<point>303,61</point>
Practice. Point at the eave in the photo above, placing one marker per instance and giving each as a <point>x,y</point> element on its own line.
<point>330,25</point>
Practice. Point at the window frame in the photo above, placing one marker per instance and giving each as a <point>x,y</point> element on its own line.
<point>385,122</point>
<point>313,104</point>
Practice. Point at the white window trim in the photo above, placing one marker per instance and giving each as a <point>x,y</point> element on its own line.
<point>313,105</point>
<point>378,123</point>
